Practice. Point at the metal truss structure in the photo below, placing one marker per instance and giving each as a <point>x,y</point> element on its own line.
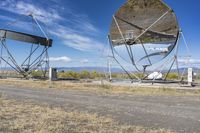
<point>38,58</point>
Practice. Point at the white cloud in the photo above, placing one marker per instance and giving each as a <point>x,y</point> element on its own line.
<point>85,61</point>
<point>60,59</point>
<point>189,61</point>
<point>77,41</point>
<point>6,18</point>
<point>78,32</point>
<point>184,62</point>
<point>20,7</point>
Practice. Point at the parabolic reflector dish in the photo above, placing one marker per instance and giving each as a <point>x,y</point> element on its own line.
<point>149,24</point>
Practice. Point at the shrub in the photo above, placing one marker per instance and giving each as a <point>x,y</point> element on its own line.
<point>68,74</point>
<point>85,75</point>
<point>36,74</point>
<point>172,76</point>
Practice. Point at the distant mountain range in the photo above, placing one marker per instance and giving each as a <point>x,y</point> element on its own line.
<point>114,70</point>
<point>77,69</point>
<point>186,69</point>
<point>104,69</point>
<point>90,69</point>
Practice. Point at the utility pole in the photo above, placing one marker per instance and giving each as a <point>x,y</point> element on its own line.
<point>109,69</point>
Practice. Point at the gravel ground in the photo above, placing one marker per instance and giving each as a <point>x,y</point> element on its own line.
<point>177,113</point>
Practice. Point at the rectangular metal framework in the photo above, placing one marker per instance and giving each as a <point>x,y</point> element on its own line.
<point>23,37</point>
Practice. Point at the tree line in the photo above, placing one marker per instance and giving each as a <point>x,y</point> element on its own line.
<point>99,75</point>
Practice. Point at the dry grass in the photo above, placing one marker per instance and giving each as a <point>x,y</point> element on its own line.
<point>1,96</point>
<point>104,89</point>
<point>25,117</point>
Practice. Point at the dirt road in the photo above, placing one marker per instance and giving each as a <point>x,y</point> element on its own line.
<point>178,113</point>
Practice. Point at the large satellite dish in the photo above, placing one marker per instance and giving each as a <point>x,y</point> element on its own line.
<point>145,31</point>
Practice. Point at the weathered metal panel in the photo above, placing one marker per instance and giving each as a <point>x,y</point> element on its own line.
<point>23,37</point>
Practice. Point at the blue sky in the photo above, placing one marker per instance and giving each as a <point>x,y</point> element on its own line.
<point>80,27</point>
